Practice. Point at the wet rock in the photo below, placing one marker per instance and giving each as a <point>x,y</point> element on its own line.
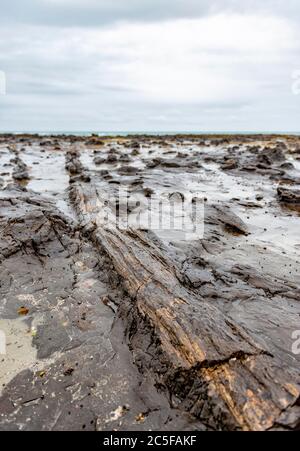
<point>197,277</point>
<point>20,170</point>
<point>248,167</point>
<point>259,197</point>
<point>153,163</point>
<point>223,215</point>
<point>73,168</point>
<point>127,170</point>
<point>99,160</point>
<point>125,158</point>
<point>287,165</point>
<point>20,174</point>
<point>148,192</point>
<point>135,152</point>
<point>289,195</point>
<point>111,158</point>
<point>229,164</point>
<point>172,163</point>
<point>95,141</point>
<point>270,156</point>
<point>73,164</point>
<point>181,155</point>
<point>135,145</point>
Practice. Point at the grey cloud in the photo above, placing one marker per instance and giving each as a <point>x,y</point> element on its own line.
<point>95,13</point>
<point>73,89</point>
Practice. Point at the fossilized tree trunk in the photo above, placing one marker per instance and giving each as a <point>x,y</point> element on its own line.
<point>210,365</point>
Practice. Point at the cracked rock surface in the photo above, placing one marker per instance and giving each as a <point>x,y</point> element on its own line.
<point>116,328</point>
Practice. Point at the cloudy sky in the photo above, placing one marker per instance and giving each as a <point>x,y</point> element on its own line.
<point>150,65</point>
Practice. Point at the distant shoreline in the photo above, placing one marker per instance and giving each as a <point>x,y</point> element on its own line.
<point>134,134</point>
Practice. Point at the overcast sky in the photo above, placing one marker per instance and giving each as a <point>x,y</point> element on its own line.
<point>147,65</point>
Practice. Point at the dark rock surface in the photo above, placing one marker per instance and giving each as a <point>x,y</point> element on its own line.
<point>289,195</point>
<point>82,376</point>
<point>113,328</point>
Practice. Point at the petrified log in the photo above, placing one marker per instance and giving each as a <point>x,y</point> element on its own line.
<point>210,365</point>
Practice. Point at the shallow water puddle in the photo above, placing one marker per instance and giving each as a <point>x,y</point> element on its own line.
<point>47,171</point>
<point>48,175</point>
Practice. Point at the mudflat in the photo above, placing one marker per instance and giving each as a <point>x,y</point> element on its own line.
<point>150,282</point>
